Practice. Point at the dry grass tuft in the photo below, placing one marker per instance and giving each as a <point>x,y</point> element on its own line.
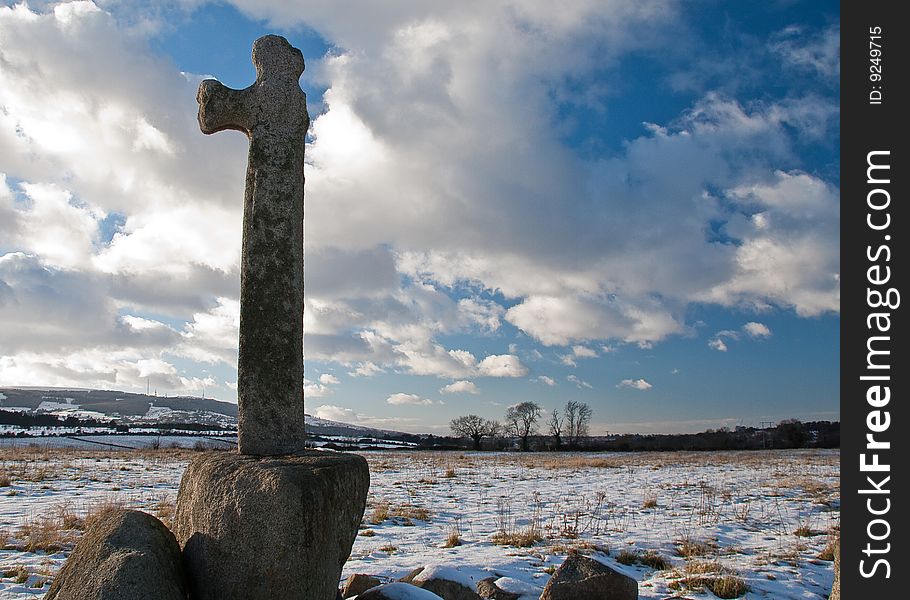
<point>5,480</point>
<point>650,559</point>
<point>721,581</point>
<point>524,538</point>
<point>380,513</point>
<point>18,573</point>
<point>367,533</point>
<point>452,540</point>
<point>688,548</point>
<point>44,535</point>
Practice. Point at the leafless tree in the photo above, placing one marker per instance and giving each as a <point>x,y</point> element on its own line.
<point>577,416</point>
<point>521,420</point>
<point>557,423</point>
<point>474,427</point>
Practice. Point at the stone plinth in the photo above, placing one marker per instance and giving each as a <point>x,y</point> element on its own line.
<point>269,527</point>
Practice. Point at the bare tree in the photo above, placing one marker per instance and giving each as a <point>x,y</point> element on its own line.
<point>474,427</point>
<point>521,420</point>
<point>557,424</point>
<point>577,416</point>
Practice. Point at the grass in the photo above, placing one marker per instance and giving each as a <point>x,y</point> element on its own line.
<point>651,559</point>
<point>452,540</point>
<point>721,581</point>
<point>19,574</point>
<point>688,548</point>
<point>524,538</point>
<point>404,513</point>
<point>5,480</point>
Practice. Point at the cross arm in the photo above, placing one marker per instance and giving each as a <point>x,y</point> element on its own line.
<point>221,107</point>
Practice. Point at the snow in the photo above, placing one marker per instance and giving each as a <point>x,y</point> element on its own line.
<point>744,508</point>
<point>469,580</point>
<point>405,591</point>
<point>50,405</point>
<point>157,412</point>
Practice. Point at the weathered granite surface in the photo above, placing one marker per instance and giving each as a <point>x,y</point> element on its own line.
<point>583,578</point>
<point>272,113</point>
<point>276,528</point>
<point>123,555</point>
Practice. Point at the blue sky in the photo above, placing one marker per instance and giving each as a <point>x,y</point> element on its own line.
<point>630,204</point>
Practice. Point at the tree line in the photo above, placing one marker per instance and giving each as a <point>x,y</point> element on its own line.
<point>567,426</point>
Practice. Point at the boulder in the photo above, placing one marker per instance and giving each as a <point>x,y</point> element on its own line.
<point>398,590</point>
<point>123,555</point>
<point>410,576</point>
<point>488,589</point>
<point>358,583</point>
<point>276,528</point>
<point>447,582</point>
<point>583,578</point>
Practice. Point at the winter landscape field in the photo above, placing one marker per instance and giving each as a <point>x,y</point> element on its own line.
<point>685,525</point>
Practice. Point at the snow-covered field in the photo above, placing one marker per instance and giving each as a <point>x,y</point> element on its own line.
<point>763,518</point>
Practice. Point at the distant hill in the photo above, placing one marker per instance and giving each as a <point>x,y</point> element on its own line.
<point>138,409</point>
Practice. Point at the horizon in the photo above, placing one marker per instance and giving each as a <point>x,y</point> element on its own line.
<point>540,433</point>
<point>629,204</point>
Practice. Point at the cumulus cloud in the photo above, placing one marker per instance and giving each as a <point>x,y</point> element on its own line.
<point>328,379</point>
<point>549,381</point>
<point>757,330</point>
<point>501,365</point>
<point>400,399</point>
<point>433,207</point>
<point>460,387</point>
<point>335,413</point>
<point>635,384</point>
<point>717,344</point>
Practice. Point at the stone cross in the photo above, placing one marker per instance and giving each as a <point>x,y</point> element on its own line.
<point>272,113</point>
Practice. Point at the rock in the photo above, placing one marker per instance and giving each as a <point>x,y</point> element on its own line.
<point>358,583</point>
<point>398,590</point>
<point>583,578</point>
<point>123,555</point>
<point>410,576</point>
<point>835,588</point>
<point>488,589</point>
<point>269,527</point>
<point>447,582</point>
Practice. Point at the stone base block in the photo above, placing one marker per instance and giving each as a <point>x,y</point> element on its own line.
<point>269,527</point>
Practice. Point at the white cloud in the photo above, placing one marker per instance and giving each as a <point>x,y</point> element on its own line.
<point>212,336</point>
<point>546,380</point>
<point>365,369</point>
<point>635,384</point>
<point>400,399</point>
<point>328,379</point>
<point>717,344</point>
<point>501,365</point>
<point>106,129</point>
<point>583,352</point>
<point>460,387</point>
<point>579,382</point>
<point>757,330</point>
<point>335,413</point>
<point>314,389</point>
